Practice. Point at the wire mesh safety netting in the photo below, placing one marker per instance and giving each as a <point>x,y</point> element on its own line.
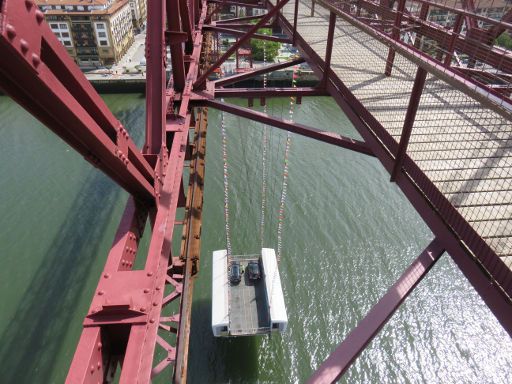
<point>461,138</point>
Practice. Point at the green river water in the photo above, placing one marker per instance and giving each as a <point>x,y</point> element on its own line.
<point>348,235</point>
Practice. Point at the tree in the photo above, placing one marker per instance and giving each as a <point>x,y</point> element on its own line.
<point>504,40</point>
<point>271,47</point>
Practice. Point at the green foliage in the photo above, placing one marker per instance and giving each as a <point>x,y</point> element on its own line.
<point>504,40</point>
<point>271,47</point>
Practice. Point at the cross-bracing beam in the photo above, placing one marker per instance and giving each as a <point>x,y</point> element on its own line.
<point>355,342</point>
<point>202,79</point>
<point>300,129</point>
<point>256,72</point>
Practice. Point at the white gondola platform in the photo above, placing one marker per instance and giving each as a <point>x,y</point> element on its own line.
<point>249,307</point>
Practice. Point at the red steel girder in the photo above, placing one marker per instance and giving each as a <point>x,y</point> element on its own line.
<point>269,92</point>
<point>300,129</point>
<point>234,32</point>
<point>487,96</point>
<point>275,10</point>
<point>247,75</point>
<point>38,73</point>
<point>488,274</point>
<point>126,309</point>
<point>238,19</point>
<point>251,4</point>
<point>353,344</point>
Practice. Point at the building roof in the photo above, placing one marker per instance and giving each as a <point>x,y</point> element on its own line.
<point>72,2</point>
<point>116,6</point>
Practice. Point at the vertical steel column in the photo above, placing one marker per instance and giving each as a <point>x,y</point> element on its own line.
<point>423,16</point>
<point>155,77</point>
<point>417,89</point>
<point>451,45</point>
<point>395,34</point>
<point>328,48</point>
<point>295,15</point>
<point>312,8</point>
<point>345,354</point>
<point>177,59</point>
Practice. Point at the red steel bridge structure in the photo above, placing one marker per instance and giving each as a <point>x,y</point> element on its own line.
<point>435,111</point>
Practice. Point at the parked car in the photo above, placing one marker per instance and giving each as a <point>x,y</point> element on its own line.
<point>235,272</point>
<point>253,270</point>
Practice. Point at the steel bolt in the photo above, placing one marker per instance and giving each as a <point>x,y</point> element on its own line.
<point>157,288</point>
<point>36,60</point>
<point>39,16</point>
<point>101,293</point>
<point>29,4</point>
<point>24,45</point>
<point>152,321</point>
<point>92,369</point>
<point>11,31</point>
<point>155,304</point>
<point>146,290</point>
<point>106,275</point>
<point>99,364</point>
<point>142,309</point>
<point>99,346</point>
<point>150,274</point>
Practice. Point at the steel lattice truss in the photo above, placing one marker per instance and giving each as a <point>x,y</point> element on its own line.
<point>125,326</point>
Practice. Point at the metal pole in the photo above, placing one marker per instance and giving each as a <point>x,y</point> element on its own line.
<point>417,89</point>
<point>295,14</point>
<point>155,78</point>
<point>328,52</point>
<point>396,36</point>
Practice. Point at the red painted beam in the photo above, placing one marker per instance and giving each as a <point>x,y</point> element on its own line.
<point>234,32</point>
<point>300,129</point>
<point>268,92</point>
<point>202,79</point>
<point>238,19</point>
<point>155,77</point>
<point>256,72</point>
<point>353,344</point>
<point>38,73</point>
<point>254,4</point>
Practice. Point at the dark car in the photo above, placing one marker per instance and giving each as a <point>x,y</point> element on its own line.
<point>235,272</point>
<point>253,270</point>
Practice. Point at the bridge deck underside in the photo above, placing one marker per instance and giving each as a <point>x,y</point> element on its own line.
<point>461,146</point>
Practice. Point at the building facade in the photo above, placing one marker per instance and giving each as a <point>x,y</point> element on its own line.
<point>139,14</point>
<point>94,32</point>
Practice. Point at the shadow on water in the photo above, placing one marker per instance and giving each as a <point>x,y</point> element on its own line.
<point>32,341</point>
<point>230,360</point>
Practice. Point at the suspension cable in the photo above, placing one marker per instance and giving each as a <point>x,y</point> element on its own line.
<point>226,184</point>
<point>284,187</point>
<point>264,159</point>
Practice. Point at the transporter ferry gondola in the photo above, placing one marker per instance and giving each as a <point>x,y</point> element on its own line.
<point>247,297</point>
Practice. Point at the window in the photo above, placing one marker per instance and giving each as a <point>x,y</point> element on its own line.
<point>102,34</point>
<point>67,43</point>
<point>57,34</point>
<point>103,43</point>
<point>63,26</point>
<point>80,7</point>
<point>100,26</point>
<point>65,34</point>
<point>54,26</point>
